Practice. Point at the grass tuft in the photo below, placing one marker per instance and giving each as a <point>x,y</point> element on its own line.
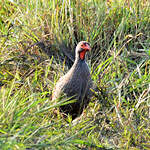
<point>37,42</point>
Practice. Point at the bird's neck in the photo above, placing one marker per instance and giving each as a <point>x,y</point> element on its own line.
<point>79,60</point>
<point>80,57</point>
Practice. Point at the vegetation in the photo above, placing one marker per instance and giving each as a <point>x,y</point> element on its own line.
<point>34,38</point>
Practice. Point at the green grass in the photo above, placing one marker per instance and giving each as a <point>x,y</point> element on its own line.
<point>118,116</point>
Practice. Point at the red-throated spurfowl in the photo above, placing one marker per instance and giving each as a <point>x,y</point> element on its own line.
<point>76,83</point>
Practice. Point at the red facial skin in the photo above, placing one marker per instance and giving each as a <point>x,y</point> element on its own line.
<point>85,48</point>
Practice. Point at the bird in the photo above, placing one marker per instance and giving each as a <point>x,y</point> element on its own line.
<point>76,83</point>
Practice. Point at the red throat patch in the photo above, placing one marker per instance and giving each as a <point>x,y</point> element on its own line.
<point>82,55</point>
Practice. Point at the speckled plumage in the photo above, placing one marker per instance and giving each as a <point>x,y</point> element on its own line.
<point>76,83</point>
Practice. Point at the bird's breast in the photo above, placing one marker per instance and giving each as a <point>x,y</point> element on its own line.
<point>75,81</point>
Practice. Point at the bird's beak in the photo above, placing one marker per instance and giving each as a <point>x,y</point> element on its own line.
<point>88,47</point>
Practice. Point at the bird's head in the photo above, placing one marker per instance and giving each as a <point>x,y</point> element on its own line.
<point>81,49</point>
